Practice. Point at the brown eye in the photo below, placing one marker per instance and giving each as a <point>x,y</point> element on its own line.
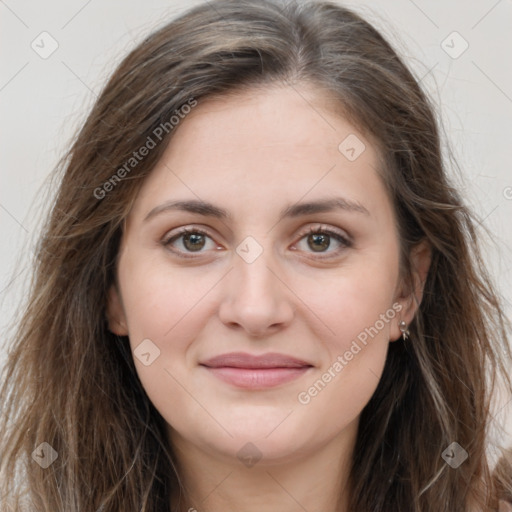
<point>194,241</point>
<point>188,241</point>
<point>324,241</point>
<point>319,242</point>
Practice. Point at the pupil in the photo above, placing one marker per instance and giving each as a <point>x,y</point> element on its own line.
<point>323,239</point>
<point>196,241</point>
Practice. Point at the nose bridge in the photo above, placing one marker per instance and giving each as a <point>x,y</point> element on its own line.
<point>253,279</point>
<point>256,299</point>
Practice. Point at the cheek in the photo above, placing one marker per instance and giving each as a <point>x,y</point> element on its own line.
<point>166,311</point>
<point>355,300</point>
<point>160,300</point>
<point>358,312</point>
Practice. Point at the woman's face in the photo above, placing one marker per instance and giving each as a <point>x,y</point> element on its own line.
<point>250,177</point>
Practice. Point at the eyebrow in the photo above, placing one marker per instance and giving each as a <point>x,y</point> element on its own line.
<point>295,210</point>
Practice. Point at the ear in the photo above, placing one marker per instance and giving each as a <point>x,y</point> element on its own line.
<point>410,292</point>
<point>115,313</point>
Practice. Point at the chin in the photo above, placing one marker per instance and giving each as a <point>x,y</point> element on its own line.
<point>258,442</point>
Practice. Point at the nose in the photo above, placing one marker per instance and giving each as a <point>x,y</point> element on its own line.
<point>255,298</point>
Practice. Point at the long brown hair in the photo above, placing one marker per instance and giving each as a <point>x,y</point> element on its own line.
<point>71,383</point>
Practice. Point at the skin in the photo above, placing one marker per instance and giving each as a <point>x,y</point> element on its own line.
<point>254,154</point>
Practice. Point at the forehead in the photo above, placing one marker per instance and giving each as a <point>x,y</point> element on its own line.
<point>277,144</point>
<point>297,117</point>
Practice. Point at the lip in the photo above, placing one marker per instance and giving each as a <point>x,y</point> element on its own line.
<point>256,371</point>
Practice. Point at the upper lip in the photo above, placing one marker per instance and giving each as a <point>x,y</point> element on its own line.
<point>243,360</point>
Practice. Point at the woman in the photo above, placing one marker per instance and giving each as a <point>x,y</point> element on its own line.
<point>257,289</point>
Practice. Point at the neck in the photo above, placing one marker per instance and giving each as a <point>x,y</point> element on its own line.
<point>317,482</point>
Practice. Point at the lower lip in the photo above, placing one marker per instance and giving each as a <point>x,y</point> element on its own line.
<point>257,378</point>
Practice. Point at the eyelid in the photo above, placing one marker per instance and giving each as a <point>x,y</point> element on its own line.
<point>322,228</point>
<point>340,236</point>
<point>183,230</point>
<point>343,238</point>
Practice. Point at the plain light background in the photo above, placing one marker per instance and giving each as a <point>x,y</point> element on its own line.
<point>460,50</point>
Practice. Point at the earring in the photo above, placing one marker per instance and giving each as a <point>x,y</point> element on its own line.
<point>403,329</point>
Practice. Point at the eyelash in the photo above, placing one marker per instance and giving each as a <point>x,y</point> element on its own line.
<point>344,241</point>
